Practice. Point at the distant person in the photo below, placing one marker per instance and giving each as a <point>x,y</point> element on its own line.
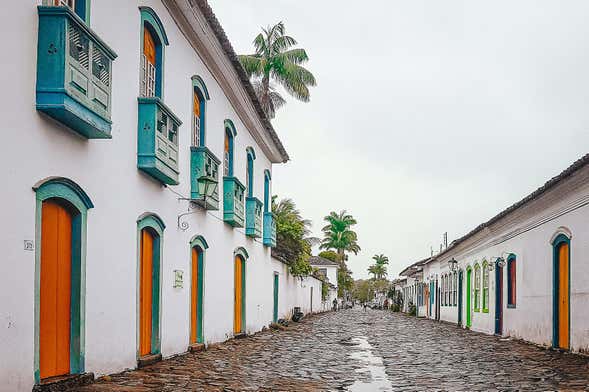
<point>365,305</point>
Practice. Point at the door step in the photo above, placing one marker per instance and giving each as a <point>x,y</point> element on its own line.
<point>64,383</point>
<point>240,335</point>
<point>148,360</point>
<point>196,347</point>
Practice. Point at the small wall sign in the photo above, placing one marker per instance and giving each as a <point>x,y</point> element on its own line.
<point>178,279</point>
<point>29,245</point>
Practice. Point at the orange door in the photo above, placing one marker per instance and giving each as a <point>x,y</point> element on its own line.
<point>194,298</point>
<point>237,327</point>
<point>55,293</point>
<point>145,300</point>
<point>563,296</point>
<point>148,46</point>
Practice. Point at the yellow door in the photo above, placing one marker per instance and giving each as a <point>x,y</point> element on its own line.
<point>238,303</point>
<point>194,298</point>
<point>563,296</point>
<point>145,295</point>
<point>55,290</point>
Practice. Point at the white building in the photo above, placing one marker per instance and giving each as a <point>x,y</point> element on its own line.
<point>137,181</point>
<point>523,273</point>
<point>327,269</point>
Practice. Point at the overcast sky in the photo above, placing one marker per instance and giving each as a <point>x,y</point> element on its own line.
<point>429,116</point>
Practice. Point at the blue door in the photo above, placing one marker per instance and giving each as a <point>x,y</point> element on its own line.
<point>498,300</point>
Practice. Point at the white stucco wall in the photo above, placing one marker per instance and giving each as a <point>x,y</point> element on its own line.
<point>38,147</point>
<point>528,234</point>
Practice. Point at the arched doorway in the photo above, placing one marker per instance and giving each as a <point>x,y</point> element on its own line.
<point>239,294</point>
<point>151,230</point>
<point>197,253</point>
<point>56,286</point>
<point>561,300</point>
<point>61,217</point>
<point>498,299</point>
<point>468,294</point>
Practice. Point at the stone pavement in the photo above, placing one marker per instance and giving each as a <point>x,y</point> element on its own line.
<point>361,351</point>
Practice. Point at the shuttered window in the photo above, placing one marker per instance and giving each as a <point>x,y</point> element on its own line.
<point>196,128</point>
<point>148,65</point>
<point>511,281</point>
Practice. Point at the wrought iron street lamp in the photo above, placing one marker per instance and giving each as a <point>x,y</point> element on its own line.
<point>207,186</point>
<point>453,264</point>
<point>496,261</point>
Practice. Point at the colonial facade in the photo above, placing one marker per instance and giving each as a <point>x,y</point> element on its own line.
<point>136,190</point>
<point>327,269</point>
<point>523,273</point>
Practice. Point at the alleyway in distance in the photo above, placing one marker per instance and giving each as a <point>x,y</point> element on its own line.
<point>361,351</point>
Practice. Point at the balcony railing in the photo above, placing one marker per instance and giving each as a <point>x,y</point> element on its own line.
<point>233,203</point>
<point>269,229</point>
<point>157,140</point>
<point>204,163</point>
<point>253,217</point>
<point>74,78</point>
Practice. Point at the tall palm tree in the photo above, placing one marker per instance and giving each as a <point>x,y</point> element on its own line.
<point>372,270</point>
<point>378,270</point>
<point>338,235</point>
<point>275,59</point>
<point>380,259</point>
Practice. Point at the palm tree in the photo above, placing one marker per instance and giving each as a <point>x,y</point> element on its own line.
<point>276,59</point>
<point>338,235</point>
<point>378,270</point>
<point>293,240</point>
<point>372,270</point>
<point>380,259</point>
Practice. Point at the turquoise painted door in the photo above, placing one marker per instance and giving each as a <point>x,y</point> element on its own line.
<point>275,313</point>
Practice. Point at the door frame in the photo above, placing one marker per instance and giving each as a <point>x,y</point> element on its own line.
<point>460,277</point>
<point>65,189</point>
<point>275,283</point>
<point>243,255</point>
<point>201,246</point>
<point>437,301</point>
<point>556,243</point>
<point>151,221</point>
<point>468,297</point>
<point>498,299</point>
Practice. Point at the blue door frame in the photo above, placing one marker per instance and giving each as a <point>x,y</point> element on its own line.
<point>460,298</point>
<point>498,300</point>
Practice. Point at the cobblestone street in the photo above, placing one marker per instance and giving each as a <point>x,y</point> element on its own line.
<point>361,351</point>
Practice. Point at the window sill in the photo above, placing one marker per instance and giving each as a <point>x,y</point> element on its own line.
<point>510,306</point>
<point>477,310</point>
<point>485,310</point>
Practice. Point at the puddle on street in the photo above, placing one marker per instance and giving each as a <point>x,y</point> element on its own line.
<point>371,364</point>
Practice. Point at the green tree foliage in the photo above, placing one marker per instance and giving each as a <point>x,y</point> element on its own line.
<point>329,255</point>
<point>276,60</point>
<point>379,269</point>
<point>293,243</point>
<point>363,290</point>
<point>338,235</point>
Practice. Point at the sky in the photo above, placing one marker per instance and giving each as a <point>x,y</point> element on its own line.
<point>428,116</point>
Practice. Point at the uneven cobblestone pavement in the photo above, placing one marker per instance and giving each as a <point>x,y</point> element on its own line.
<point>361,351</point>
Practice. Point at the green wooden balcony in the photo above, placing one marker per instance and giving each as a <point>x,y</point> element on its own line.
<point>253,217</point>
<point>157,140</point>
<point>269,229</point>
<point>233,206</point>
<point>74,79</point>
<point>204,163</point>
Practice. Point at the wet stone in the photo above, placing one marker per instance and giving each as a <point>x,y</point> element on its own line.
<point>358,351</point>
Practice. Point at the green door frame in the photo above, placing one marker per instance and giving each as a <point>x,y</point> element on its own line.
<point>467,309</point>
<point>275,312</point>
<point>201,246</point>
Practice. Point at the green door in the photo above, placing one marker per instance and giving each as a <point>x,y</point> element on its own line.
<point>467,308</point>
<point>275,314</point>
